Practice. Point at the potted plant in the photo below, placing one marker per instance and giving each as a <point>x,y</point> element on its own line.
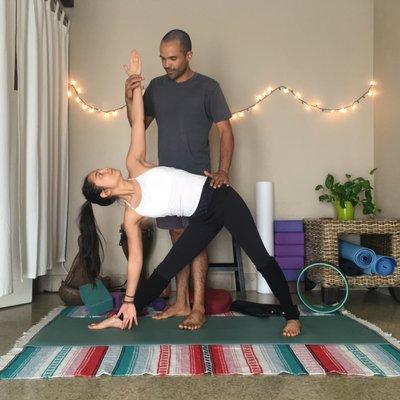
<point>348,195</point>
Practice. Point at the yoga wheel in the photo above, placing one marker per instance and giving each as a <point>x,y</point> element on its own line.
<point>322,308</point>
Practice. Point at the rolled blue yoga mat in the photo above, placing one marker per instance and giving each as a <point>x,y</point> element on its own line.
<point>361,256</point>
<point>383,265</point>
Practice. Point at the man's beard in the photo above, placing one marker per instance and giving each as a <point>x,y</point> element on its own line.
<point>176,74</point>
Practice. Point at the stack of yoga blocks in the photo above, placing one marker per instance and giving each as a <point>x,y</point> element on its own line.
<point>289,247</point>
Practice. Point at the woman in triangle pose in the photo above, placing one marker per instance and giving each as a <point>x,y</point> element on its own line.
<point>152,191</point>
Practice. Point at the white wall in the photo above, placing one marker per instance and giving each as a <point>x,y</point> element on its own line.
<point>386,112</point>
<point>324,49</point>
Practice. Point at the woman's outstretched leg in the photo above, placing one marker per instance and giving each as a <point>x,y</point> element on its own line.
<point>239,221</point>
<point>194,239</point>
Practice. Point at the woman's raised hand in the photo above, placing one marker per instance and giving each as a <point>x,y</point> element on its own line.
<point>135,64</point>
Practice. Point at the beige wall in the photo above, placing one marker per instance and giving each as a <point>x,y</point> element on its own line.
<point>387,111</point>
<point>324,49</point>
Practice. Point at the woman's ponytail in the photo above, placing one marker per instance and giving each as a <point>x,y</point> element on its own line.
<point>91,248</point>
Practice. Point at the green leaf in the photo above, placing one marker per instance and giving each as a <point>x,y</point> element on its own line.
<point>325,198</point>
<point>329,181</point>
<point>319,187</point>
<point>348,176</point>
<point>372,171</point>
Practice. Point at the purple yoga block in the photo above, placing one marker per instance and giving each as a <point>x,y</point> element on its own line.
<point>288,226</point>
<point>290,250</point>
<point>289,238</point>
<point>290,262</point>
<point>117,300</point>
<point>291,274</point>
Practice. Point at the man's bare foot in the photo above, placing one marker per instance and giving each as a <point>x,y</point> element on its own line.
<point>175,310</point>
<point>292,328</point>
<point>195,320</point>
<point>112,322</point>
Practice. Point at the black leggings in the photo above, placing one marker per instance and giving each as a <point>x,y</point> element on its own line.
<point>225,208</point>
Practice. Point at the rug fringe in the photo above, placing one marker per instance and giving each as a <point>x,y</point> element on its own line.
<point>28,335</point>
<point>386,335</point>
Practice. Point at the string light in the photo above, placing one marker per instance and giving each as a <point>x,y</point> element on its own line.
<point>352,106</point>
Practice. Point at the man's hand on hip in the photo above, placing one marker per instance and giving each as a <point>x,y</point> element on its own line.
<point>218,178</point>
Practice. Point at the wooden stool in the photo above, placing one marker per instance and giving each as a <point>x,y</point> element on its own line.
<point>236,266</point>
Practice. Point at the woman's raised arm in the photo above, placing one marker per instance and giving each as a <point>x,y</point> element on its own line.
<point>137,149</point>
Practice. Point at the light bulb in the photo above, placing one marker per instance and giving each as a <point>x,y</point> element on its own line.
<point>372,83</point>
<point>371,93</point>
<point>84,107</point>
<point>115,113</point>
<point>235,116</point>
<point>69,93</point>
<point>91,110</point>
<point>72,82</point>
<point>343,110</point>
<point>258,98</point>
<point>78,90</point>
<point>269,90</point>
<point>307,107</point>
<point>78,100</point>
<point>354,106</point>
<point>298,95</point>
<point>255,107</point>
<point>285,90</point>
<point>106,116</point>
<point>240,114</point>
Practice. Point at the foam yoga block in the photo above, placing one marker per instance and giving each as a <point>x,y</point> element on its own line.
<point>117,300</point>
<point>288,226</point>
<point>291,274</point>
<point>96,298</point>
<point>158,304</point>
<point>295,250</point>
<point>361,256</point>
<point>283,238</point>
<point>290,262</point>
<point>383,265</point>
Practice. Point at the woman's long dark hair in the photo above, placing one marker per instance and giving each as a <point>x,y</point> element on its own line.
<point>91,247</point>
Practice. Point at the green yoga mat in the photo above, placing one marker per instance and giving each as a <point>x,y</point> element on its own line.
<point>66,331</point>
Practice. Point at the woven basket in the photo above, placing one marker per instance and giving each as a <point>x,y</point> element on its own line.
<point>321,242</point>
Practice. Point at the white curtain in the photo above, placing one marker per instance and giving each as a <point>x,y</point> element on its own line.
<point>6,79</point>
<point>41,164</point>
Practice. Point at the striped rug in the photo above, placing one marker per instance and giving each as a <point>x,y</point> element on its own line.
<point>24,362</point>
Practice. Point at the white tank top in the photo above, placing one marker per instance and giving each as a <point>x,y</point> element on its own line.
<point>168,191</point>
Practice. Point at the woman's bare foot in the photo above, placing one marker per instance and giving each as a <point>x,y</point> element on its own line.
<point>194,321</point>
<point>112,322</point>
<point>175,310</point>
<point>135,64</point>
<point>292,328</point>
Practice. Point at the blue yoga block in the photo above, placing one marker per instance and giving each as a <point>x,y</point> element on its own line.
<point>96,298</point>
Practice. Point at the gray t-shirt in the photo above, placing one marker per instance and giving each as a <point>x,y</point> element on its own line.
<point>185,113</point>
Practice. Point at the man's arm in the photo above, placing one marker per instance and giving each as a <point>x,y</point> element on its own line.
<point>227,144</point>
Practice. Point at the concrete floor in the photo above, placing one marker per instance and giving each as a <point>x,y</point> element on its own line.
<point>375,306</point>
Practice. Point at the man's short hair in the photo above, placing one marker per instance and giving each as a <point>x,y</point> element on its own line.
<point>183,37</point>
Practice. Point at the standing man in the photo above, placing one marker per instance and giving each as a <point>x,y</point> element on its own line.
<point>185,104</point>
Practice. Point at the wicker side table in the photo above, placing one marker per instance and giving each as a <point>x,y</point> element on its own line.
<point>321,244</point>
